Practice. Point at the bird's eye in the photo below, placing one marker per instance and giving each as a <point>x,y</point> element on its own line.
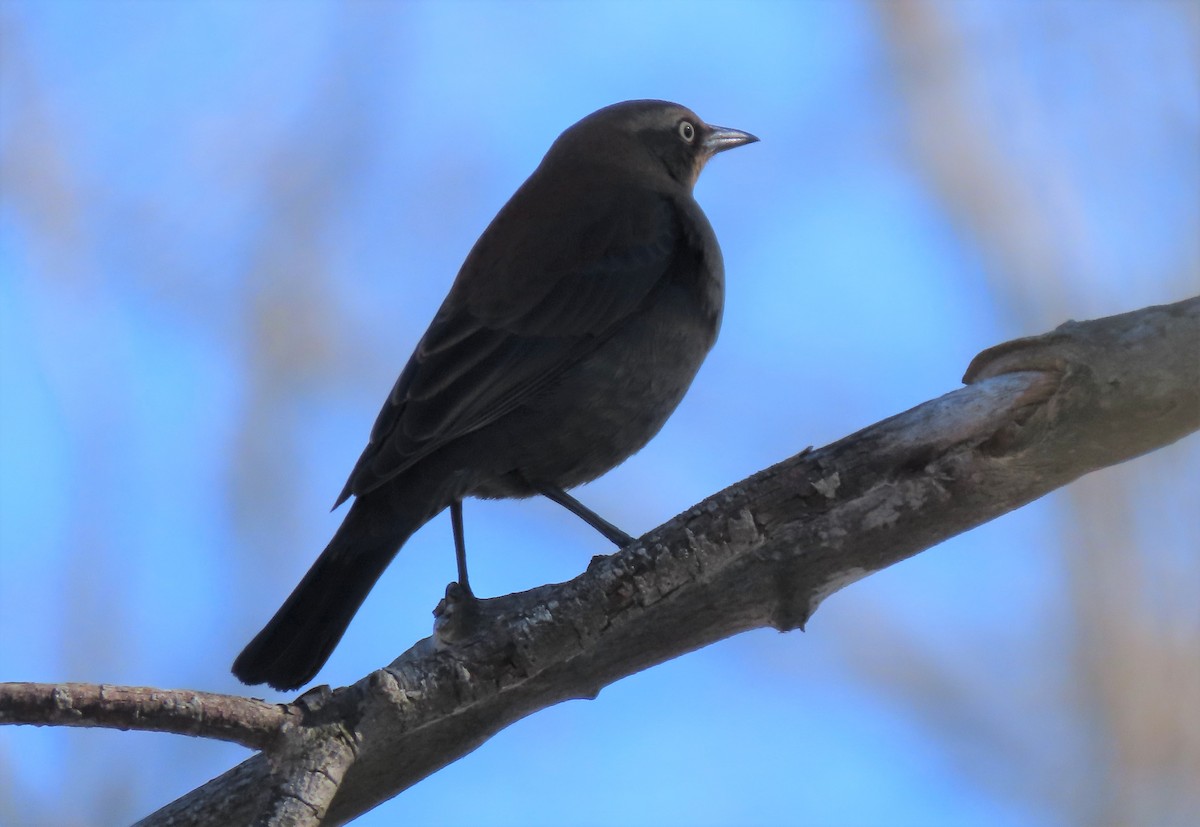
<point>687,131</point>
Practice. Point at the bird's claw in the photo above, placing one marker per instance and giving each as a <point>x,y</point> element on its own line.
<point>456,616</point>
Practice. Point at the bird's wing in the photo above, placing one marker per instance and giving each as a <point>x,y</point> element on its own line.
<point>536,294</point>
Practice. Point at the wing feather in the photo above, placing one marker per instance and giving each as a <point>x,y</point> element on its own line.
<point>536,295</point>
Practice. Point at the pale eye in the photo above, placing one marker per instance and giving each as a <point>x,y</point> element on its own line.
<point>687,131</point>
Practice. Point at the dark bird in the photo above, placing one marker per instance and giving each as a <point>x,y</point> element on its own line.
<point>572,331</point>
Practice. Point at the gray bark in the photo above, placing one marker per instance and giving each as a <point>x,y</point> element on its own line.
<point>1036,414</point>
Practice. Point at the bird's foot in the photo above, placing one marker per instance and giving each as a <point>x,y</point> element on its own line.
<point>456,617</point>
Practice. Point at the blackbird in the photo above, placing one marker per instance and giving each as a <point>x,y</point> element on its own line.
<point>572,331</point>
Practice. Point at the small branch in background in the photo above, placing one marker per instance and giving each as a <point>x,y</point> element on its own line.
<point>246,721</point>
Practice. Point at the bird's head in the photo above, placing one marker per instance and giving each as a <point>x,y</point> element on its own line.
<point>650,136</point>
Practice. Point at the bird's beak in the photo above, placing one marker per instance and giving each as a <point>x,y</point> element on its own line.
<point>720,139</point>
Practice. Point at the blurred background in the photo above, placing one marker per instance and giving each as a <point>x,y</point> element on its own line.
<point>224,226</point>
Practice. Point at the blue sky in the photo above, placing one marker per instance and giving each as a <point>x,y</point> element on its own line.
<point>223,227</point>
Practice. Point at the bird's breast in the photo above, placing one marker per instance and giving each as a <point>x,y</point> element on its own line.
<point>610,404</point>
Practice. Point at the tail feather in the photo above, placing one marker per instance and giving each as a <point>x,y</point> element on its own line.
<point>297,641</point>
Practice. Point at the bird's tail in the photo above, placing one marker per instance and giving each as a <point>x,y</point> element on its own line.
<point>297,641</point>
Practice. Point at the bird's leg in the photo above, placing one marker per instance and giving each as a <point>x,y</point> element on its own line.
<point>460,546</point>
<point>614,534</point>
<point>457,616</point>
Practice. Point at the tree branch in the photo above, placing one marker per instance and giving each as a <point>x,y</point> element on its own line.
<point>246,721</point>
<point>1037,414</point>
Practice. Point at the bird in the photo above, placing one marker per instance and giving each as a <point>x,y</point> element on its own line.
<point>572,331</point>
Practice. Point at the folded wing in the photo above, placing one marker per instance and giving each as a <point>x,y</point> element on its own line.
<point>550,297</point>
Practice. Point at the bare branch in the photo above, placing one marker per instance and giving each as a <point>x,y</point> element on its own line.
<point>1039,413</point>
<point>308,770</point>
<point>246,721</point>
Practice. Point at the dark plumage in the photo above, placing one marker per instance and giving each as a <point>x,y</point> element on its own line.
<point>572,331</point>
